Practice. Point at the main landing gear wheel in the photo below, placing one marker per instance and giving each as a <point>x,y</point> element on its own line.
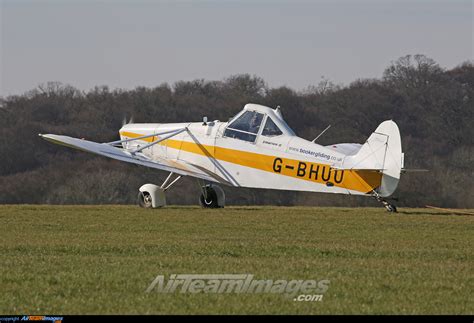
<point>209,201</point>
<point>212,195</point>
<point>145,200</point>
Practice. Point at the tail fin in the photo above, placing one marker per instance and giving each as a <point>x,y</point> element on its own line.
<point>382,152</point>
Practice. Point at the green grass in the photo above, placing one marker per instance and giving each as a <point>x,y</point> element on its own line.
<point>101,259</point>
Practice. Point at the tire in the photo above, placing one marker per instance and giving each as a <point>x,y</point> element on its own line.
<point>391,208</point>
<point>144,200</point>
<point>211,201</point>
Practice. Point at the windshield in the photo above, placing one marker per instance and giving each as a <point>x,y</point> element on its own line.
<point>245,127</point>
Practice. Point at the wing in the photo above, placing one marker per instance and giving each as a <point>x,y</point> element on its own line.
<point>107,150</point>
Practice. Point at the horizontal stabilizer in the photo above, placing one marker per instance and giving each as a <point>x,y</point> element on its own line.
<point>356,169</point>
<point>414,170</point>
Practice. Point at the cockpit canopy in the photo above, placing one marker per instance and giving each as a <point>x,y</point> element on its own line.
<point>247,124</point>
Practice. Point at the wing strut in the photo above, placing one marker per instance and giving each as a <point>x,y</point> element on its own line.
<point>113,143</point>
<point>174,133</point>
<point>164,187</point>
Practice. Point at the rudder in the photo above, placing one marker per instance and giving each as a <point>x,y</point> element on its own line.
<point>383,152</point>
<point>393,162</point>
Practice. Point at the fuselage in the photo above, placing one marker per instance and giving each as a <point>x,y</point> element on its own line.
<point>284,161</point>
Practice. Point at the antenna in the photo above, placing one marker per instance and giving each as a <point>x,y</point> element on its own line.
<point>278,111</point>
<point>321,133</point>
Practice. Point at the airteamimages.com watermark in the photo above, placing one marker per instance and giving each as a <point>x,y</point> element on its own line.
<point>55,319</point>
<point>297,290</point>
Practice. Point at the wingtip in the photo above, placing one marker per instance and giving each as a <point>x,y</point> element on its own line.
<point>44,136</point>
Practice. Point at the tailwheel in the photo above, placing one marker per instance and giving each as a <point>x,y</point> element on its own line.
<point>388,206</point>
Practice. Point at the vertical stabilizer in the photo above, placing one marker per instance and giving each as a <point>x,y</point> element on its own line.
<point>382,152</point>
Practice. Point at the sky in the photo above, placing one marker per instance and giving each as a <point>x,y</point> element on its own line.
<point>125,44</point>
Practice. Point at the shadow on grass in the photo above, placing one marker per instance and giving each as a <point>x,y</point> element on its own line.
<point>433,213</point>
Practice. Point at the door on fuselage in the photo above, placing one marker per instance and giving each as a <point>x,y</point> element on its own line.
<point>236,143</point>
<point>253,132</point>
<point>249,143</point>
<point>271,138</point>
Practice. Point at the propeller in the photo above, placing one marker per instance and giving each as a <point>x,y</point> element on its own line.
<point>124,121</point>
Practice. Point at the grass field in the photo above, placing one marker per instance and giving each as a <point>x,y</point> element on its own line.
<point>101,259</point>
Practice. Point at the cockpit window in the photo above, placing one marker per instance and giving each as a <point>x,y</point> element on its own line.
<point>249,121</point>
<point>245,127</point>
<point>271,129</point>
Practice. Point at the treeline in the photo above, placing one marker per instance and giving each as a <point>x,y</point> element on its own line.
<point>433,107</point>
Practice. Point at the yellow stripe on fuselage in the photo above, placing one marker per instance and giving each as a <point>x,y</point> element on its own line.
<point>360,180</point>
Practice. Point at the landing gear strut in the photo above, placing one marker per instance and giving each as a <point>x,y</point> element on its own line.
<point>153,196</point>
<point>388,206</point>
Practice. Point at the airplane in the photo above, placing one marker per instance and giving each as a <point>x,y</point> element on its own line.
<point>254,149</point>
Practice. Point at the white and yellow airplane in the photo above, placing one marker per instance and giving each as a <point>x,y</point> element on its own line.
<point>255,149</point>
